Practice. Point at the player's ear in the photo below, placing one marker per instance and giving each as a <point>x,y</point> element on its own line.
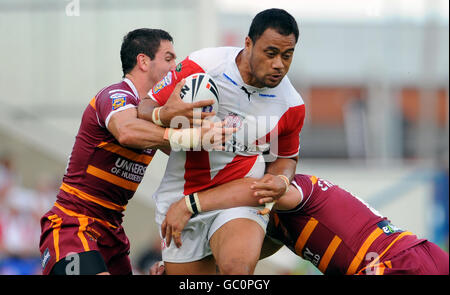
<point>143,62</point>
<point>248,43</point>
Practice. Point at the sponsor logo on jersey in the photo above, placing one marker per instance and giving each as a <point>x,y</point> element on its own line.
<point>129,170</point>
<point>118,100</point>
<point>388,228</point>
<point>167,80</point>
<point>178,68</point>
<point>247,92</point>
<point>45,258</point>
<point>314,258</point>
<point>267,95</point>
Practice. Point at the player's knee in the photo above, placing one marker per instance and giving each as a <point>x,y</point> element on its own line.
<point>236,267</point>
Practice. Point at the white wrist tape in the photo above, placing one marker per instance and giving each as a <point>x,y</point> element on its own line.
<point>188,204</point>
<point>286,181</point>
<point>156,117</point>
<point>183,139</point>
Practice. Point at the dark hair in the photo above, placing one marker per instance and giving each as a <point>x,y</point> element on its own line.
<point>144,41</point>
<point>273,18</point>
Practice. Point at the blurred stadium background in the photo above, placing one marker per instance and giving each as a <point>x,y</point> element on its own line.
<point>374,75</point>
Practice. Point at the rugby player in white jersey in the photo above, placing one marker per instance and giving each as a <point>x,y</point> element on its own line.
<point>256,97</point>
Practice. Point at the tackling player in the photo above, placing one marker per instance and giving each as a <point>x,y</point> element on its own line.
<point>326,225</point>
<point>83,233</point>
<point>257,97</point>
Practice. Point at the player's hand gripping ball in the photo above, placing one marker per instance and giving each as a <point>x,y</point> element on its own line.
<point>201,86</point>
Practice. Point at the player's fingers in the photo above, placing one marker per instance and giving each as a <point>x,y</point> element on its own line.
<point>264,193</point>
<point>267,178</point>
<point>161,269</point>
<point>261,186</point>
<point>202,103</point>
<point>265,200</point>
<point>163,228</point>
<point>177,89</point>
<point>157,268</point>
<point>177,238</point>
<point>168,235</point>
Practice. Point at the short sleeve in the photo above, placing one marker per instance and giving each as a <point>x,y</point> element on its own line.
<point>112,102</point>
<point>290,126</point>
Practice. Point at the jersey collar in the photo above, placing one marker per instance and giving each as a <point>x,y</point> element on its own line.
<point>235,68</point>
<point>133,88</point>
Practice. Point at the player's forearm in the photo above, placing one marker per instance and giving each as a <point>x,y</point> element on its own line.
<point>235,193</point>
<point>282,166</point>
<point>141,134</point>
<point>238,192</point>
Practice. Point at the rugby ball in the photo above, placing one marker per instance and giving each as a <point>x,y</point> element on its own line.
<point>201,86</point>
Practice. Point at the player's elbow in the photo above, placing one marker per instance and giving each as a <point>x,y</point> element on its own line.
<point>124,139</point>
<point>125,136</point>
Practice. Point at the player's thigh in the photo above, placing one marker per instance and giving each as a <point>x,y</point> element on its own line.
<point>237,243</point>
<point>203,266</point>
<point>194,256</point>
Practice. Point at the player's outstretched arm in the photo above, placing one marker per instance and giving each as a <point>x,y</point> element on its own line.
<point>235,193</point>
<point>133,132</point>
<point>232,194</point>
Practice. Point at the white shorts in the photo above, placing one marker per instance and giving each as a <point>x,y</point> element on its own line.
<point>195,236</point>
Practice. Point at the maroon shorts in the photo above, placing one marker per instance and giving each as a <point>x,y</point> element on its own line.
<point>64,232</point>
<point>422,259</point>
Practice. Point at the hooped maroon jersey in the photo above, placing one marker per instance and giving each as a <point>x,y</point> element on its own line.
<point>102,175</point>
<point>336,231</point>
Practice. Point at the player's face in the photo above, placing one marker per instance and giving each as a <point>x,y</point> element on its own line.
<point>270,58</point>
<point>163,62</point>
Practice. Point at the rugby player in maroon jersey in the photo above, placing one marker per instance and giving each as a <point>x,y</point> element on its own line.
<point>82,233</point>
<point>322,223</point>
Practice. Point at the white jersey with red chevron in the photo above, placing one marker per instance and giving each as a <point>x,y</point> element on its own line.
<point>269,121</point>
